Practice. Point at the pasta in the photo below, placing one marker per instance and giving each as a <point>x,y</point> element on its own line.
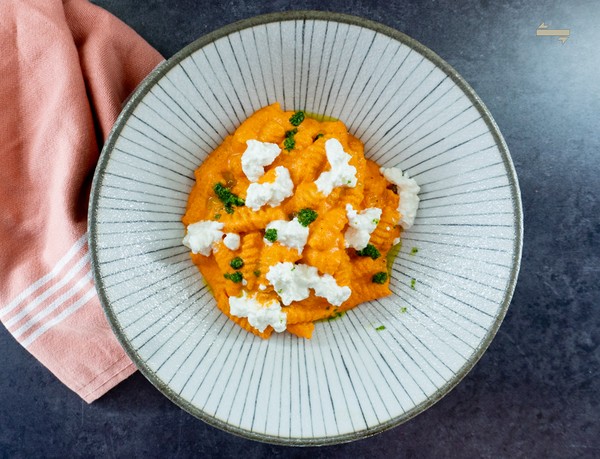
<point>293,237</point>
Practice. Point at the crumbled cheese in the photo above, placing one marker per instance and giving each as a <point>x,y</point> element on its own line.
<point>326,287</point>
<point>360,226</point>
<point>292,283</point>
<point>256,156</point>
<point>341,173</point>
<point>272,193</point>
<point>396,241</point>
<point>202,235</point>
<point>232,241</point>
<point>260,315</point>
<point>291,234</point>
<point>262,287</point>
<point>408,190</point>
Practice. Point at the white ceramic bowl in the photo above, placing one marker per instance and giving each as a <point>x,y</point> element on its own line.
<point>412,110</point>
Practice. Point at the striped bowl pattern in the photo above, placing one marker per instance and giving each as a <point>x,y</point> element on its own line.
<point>412,111</point>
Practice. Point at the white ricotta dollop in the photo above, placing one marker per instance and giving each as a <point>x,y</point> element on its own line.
<point>360,226</point>
<point>341,173</point>
<point>326,287</point>
<point>256,156</point>
<point>291,234</point>
<point>408,190</point>
<point>272,193</point>
<point>202,236</point>
<point>232,241</point>
<point>292,283</point>
<point>260,315</point>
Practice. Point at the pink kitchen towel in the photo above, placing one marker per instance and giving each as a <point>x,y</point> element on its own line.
<point>66,69</point>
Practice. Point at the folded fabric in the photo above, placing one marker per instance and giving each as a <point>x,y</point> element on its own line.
<point>66,69</point>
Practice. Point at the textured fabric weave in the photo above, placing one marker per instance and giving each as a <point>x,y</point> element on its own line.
<point>66,68</point>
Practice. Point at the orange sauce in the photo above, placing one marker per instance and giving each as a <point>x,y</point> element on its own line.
<point>325,247</point>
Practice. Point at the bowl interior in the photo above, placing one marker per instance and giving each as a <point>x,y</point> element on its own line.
<point>411,110</point>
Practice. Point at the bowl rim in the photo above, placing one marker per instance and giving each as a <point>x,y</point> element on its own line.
<point>165,66</point>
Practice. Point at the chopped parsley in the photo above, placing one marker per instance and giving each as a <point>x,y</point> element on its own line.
<point>271,235</point>
<point>379,278</point>
<point>236,263</point>
<point>319,135</point>
<point>414,250</point>
<point>289,143</point>
<point>413,281</point>
<point>236,277</point>
<point>307,216</point>
<point>376,221</point>
<point>369,251</point>
<point>217,216</point>
<point>256,272</point>
<point>381,327</point>
<point>297,118</point>
<point>228,198</point>
<point>403,309</point>
<point>336,315</point>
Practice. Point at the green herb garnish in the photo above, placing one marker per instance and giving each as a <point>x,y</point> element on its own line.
<point>236,263</point>
<point>412,283</point>
<point>307,216</point>
<point>271,235</point>
<point>403,309</point>
<point>289,143</point>
<point>319,135</point>
<point>379,278</point>
<point>217,216</point>
<point>381,327</point>
<point>228,198</point>
<point>369,251</point>
<point>297,118</point>
<point>414,250</point>
<point>336,315</point>
<point>236,277</point>
<point>256,272</point>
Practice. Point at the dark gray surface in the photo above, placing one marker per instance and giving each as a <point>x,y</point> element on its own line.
<point>536,391</point>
